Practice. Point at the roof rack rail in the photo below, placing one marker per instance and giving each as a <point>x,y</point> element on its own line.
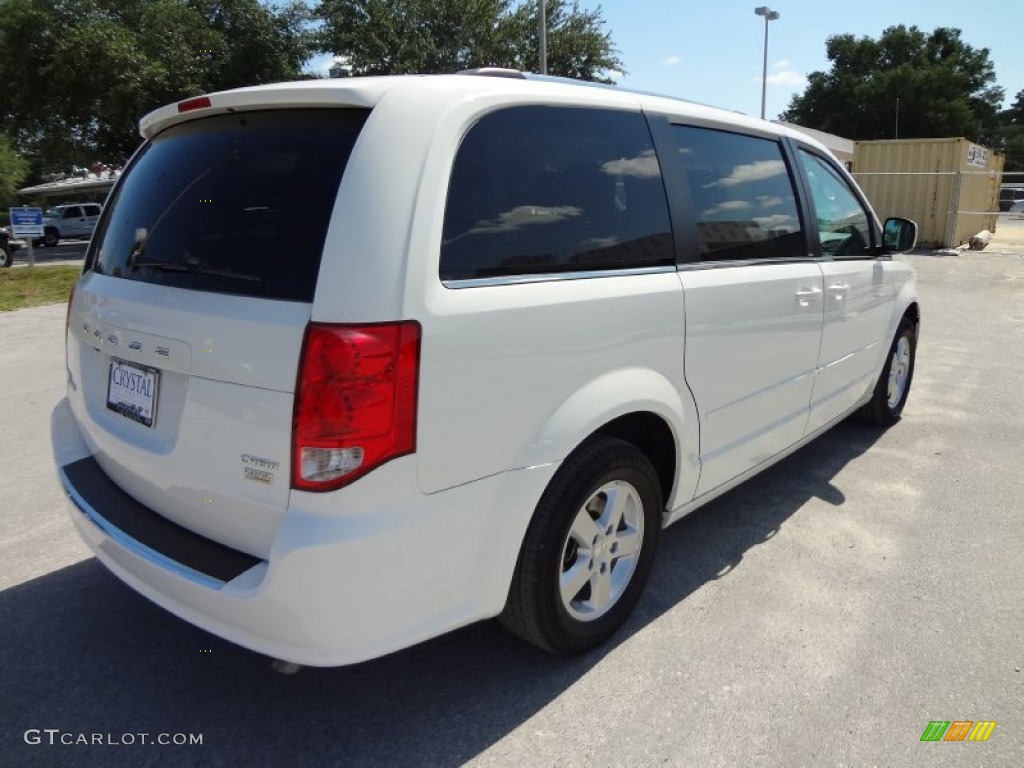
<point>494,72</point>
<point>519,75</point>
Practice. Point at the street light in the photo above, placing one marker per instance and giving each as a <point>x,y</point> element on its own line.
<point>543,37</point>
<point>769,15</point>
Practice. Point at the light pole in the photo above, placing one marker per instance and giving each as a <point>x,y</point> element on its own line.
<point>543,34</point>
<point>769,15</point>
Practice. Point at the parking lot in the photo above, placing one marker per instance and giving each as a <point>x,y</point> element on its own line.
<point>65,252</point>
<point>821,614</point>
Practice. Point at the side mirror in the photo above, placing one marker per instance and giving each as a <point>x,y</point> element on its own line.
<point>899,235</point>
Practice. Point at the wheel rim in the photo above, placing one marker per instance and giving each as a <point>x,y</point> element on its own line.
<point>899,371</point>
<point>601,551</point>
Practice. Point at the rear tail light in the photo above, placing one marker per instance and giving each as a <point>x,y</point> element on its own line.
<point>355,401</point>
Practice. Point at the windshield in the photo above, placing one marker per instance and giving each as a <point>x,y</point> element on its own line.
<point>235,203</point>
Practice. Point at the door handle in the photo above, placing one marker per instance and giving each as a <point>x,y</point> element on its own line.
<point>805,295</point>
<point>838,291</point>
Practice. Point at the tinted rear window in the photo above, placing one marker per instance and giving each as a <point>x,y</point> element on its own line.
<point>536,190</point>
<point>232,204</point>
<point>742,193</point>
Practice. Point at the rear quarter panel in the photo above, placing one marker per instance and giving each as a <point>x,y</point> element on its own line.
<point>505,369</point>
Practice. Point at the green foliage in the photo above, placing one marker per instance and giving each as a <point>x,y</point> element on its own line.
<point>1010,137</point>
<point>945,88</point>
<point>430,36</point>
<point>13,169</point>
<point>85,71</point>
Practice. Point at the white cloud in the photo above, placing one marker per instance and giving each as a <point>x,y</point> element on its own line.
<point>787,77</point>
<point>525,216</point>
<point>781,64</point>
<point>318,65</point>
<point>727,205</point>
<point>756,171</point>
<point>671,61</point>
<point>643,167</point>
<point>779,221</point>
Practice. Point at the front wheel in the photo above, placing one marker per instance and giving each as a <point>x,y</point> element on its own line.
<point>893,386</point>
<point>50,237</point>
<point>588,550</point>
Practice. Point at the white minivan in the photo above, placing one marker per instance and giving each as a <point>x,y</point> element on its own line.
<point>352,363</point>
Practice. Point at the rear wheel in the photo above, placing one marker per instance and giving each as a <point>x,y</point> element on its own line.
<point>589,549</point>
<point>893,386</point>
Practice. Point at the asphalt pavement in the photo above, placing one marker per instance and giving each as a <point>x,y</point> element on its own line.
<point>65,252</point>
<point>822,614</point>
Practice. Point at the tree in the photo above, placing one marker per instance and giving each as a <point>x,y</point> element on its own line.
<point>80,73</point>
<point>944,87</point>
<point>421,36</point>
<point>13,168</point>
<point>1011,137</point>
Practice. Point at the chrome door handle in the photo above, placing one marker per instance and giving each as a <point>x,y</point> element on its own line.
<point>838,291</point>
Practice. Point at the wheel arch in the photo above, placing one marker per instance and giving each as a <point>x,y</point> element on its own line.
<point>640,406</point>
<point>913,314</point>
<point>652,435</point>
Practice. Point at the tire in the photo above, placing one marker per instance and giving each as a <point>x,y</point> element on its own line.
<point>886,404</point>
<point>6,257</point>
<point>564,538</point>
<point>50,237</point>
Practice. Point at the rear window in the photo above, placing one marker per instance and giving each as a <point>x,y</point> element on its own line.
<point>235,203</point>
<point>536,190</point>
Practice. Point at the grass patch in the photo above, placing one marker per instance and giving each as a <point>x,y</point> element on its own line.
<point>34,286</point>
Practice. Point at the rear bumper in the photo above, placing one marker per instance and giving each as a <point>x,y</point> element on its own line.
<point>352,575</point>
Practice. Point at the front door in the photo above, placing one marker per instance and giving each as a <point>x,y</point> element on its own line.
<point>858,299</point>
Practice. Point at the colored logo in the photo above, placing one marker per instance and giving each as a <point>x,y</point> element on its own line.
<point>958,730</point>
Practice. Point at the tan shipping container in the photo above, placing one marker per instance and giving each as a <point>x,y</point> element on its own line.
<point>950,187</point>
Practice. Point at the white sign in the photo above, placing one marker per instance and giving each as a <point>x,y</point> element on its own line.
<point>977,155</point>
<point>132,391</point>
<point>26,222</point>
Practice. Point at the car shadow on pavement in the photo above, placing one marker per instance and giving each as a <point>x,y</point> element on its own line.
<point>83,653</point>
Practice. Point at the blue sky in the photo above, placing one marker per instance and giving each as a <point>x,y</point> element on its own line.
<point>711,50</point>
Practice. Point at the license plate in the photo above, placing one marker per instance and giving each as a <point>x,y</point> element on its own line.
<point>131,391</point>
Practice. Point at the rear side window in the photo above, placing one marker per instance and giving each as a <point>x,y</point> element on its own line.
<point>742,195</point>
<point>538,190</point>
<point>236,203</point>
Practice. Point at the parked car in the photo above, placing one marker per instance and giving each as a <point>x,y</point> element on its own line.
<point>1008,196</point>
<point>336,386</point>
<point>6,250</point>
<point>69,221</point>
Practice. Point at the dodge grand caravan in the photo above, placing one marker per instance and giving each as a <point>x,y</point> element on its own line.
<point>352,363</point>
